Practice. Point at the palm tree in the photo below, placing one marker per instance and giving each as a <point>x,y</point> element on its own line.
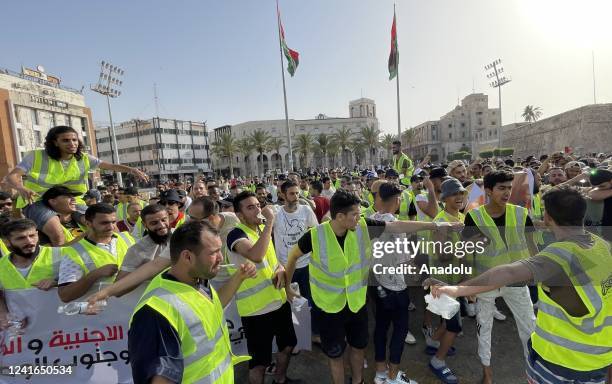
<point>224,146</point>
<point>261,143</point>
<point>276,143</point>
<point>358,148</point>
<point>531,113</point>
<point>323,142</point>
<point>332,150</point>
<point>387,143</point>
<point>304,144</point>
<point>245,148</point>
<point>343,139</point>
<point>369,135</point>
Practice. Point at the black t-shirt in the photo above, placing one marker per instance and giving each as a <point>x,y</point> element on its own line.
<point>375,229</point>
<point>471,229</point>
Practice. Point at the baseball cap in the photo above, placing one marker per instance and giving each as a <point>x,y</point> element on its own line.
<point>449,187</point>
<point>600,176</point>
<point>171,195</point>
<point>58,191</point>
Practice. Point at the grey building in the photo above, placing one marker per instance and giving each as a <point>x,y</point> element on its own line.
<point>163,148</point>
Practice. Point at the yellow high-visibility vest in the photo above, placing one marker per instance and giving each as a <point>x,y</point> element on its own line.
<point>497,251</point>
<point>256,293</point>
<point>90,256</point>
<point>201,326</point>
<point>4,251</point>
<point>47,172</point>
<point>398,165</point>
<point>339,275</point>
<point>405,205</point>
<point>45,266</point>
<point>579,343</point>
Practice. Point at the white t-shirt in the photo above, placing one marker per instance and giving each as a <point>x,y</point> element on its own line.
<point>393,282</point>
<point>288,228</point>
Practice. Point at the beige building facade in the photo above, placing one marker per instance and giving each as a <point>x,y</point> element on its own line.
<point>32,102</point>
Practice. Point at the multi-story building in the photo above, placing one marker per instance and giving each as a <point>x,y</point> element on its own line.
<point>32,102</point>
<point>362,114</point>
<point>471,126</point>
<point>163,148</point>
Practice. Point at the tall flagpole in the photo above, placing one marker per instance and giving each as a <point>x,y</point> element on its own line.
<point>399,120</point>
<point>280,46</point>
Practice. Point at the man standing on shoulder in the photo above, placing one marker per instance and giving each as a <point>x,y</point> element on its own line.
<point>402,164</point>
<point>62,162</point>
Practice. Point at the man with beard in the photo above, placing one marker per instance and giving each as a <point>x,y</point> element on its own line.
<point>292,221</point>
<point>157,225</point>
<point>27,265</point>
<point>178,332</point>
<point>457,169</point>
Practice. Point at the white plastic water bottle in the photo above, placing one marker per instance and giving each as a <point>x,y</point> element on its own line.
<point>78,307</point>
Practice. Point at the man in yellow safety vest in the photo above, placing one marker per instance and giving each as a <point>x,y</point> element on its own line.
<point>62,162</point>
<point>571,342</point>
<point>262,302</point>
<point>178,332</point>
<point>338,271</point>
<point>96,257</point>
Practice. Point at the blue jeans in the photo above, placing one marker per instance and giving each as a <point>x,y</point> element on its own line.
<point>302,277</point>
<point>391,309</point>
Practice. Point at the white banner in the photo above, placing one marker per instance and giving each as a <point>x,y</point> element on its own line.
<point>88,349</point>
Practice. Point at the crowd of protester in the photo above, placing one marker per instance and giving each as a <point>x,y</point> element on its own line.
<point>285,224</point>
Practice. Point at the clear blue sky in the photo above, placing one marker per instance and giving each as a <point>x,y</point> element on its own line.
<point>218,60</point>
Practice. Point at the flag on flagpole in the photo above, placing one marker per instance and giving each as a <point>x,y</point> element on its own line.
<point>293,57</point>
<point>394,55</point>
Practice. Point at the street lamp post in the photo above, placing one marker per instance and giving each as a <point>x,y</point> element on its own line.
<point>108,84</point>
<point>495,70</point>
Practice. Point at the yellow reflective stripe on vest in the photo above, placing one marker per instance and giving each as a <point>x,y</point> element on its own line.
<point>584,284</point>
<point>570,344</point>
<point>4,251</point>
<point>79,252</point>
